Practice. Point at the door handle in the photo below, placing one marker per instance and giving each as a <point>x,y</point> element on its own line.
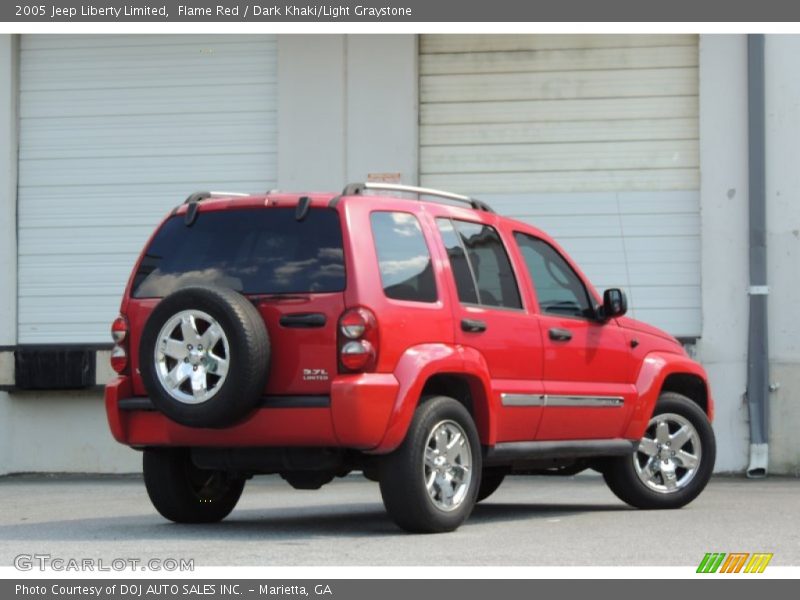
<point>303,320</point>
<point>560,335</point>
<point>473,325</point>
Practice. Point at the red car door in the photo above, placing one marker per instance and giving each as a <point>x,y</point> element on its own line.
<point>587,363</point>
<point>490,318</point>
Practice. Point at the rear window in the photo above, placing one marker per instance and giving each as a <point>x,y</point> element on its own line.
<point>253,251</point>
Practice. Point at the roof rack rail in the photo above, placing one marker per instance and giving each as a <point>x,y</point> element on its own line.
<point>200,196</point>
<point>354,189</point>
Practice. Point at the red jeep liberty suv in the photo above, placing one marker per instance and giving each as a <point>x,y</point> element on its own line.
<point>408,333</point>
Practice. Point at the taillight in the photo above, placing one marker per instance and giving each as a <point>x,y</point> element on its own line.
<point>356,322</point>
<point>355,356</point>
<point>119,359</point>
<point>353,324</point>
<point>119,329</point>
<point>119,354</point>
<point>358,340</point>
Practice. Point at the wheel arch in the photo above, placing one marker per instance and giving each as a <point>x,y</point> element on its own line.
<point>440,369</point>
<point>468,390</point>
<point>690,385</point>
<point>667,372</point>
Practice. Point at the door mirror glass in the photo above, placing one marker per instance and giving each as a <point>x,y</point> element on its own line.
<point>615,304</point>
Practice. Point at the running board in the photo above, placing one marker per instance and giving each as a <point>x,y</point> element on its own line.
<point>511,452</point>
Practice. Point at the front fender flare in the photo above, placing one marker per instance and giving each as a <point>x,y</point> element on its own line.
<point>655,369</point>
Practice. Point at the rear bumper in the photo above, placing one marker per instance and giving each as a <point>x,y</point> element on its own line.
<point>356,415</point>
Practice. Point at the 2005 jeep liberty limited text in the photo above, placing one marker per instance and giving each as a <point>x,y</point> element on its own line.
<point>423,340</point>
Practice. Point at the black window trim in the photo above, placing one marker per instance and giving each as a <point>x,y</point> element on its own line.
<point>522,308</point>
<point>469,262</point>
<point>539,311</point>
<point>436,301</point>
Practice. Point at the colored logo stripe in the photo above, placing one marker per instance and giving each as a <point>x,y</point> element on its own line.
<point>758,562</point>
<point>735,561</point>
<point>711,562</point>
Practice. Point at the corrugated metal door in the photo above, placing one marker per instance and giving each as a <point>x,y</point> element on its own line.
<point>114,131</point>
<point>593,138</point>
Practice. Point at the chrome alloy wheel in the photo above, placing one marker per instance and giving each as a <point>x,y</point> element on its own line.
<point>447,465</point>
<point>669,453</point>
<point>191,356</point>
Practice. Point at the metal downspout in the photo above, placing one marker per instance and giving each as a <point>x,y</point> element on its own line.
<point>757,346</point>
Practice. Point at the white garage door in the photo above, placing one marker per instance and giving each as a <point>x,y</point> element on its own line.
<point>114,131</point>
<point>592,138</point>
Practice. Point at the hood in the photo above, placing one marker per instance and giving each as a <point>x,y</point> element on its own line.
<point>641,327</point>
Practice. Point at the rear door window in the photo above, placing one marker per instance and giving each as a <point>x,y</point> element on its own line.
<point>462,272</point>
<point>253,251</point>
<point>403,257</point>
<point>480,264</point>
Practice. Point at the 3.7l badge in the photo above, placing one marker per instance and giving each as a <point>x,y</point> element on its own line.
<point>315,375</point>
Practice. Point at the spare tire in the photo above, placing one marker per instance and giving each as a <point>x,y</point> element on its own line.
<point>204,356</point>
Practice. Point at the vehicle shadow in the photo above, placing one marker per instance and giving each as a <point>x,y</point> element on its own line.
<point>299,523</point>
<point>504,511</point>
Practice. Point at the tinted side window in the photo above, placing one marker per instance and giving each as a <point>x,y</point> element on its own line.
<point>478,259</point>
<point>465,284</point>
<point>558,288</point>
<point>403,257</point>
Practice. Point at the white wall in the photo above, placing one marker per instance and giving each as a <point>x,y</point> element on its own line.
<point>311,111</point>
<point>724,197</point>
<point>8,229</point>
<point>783,247</point>
<point>347,107</point>
<point>64,432</point>
<point>723,208</point>
<point>382,111</point>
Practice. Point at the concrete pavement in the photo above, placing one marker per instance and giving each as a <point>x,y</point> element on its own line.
<point>529,521</point>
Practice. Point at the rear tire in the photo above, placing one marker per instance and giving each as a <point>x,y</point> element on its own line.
<point>674,461</point>
<point>183,493</point>
<point>430,483</point>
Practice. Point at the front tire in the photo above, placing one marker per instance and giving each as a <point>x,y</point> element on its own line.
<point>673,462</point>
<point>430,483</point>
<point>184,493</point>
<point>491,478</point>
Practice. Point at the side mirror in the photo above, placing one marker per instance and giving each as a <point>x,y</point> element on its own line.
<point>615,304</point>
